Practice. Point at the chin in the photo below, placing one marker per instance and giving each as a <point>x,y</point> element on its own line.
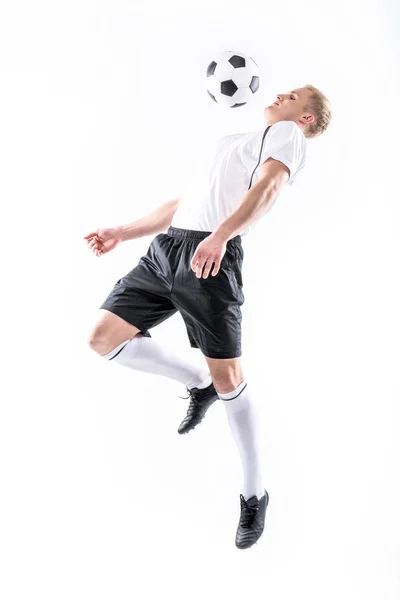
<point>267,115</point>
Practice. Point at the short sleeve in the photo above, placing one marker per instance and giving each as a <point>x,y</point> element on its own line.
<point>286,142</point>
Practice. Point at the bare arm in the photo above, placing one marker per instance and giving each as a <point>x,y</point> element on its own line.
<point>155,222</point>
<point>257,200</point>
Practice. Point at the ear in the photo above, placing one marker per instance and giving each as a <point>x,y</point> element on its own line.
<point>307,119</point>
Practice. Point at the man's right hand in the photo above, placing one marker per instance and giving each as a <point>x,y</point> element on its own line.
<point>102,241</point>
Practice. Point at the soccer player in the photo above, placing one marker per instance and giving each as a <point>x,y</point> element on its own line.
<point>196,268</point>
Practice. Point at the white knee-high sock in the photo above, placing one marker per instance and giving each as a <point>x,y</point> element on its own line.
<point>146,354</point>
<point>242,421</point>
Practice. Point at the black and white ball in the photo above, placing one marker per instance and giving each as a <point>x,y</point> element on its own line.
<point>232,79</point>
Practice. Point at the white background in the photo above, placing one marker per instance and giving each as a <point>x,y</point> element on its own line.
<point>102,104</point>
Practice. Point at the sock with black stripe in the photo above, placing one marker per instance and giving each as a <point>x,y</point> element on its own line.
<point>243,424</point>
<point>146,354</point>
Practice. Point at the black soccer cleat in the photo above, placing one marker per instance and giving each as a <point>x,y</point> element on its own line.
<point>252,519</point>
<point>200,402</point>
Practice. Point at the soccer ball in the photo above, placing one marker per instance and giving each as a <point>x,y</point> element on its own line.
<point>233,79</point>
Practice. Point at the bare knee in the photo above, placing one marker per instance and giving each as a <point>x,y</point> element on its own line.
<point>225,386</point>
<point>226,373</point>
<point>101,345</point>
<point>109,331</point>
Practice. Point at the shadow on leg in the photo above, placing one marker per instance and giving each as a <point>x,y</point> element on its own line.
<point>227,373</point>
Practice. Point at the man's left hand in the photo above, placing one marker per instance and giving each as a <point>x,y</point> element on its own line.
<point>209,251</point>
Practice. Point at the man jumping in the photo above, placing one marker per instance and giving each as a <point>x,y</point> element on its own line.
<point>196,268</point>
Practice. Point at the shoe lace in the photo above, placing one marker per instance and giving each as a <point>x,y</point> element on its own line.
<point>247,512</point>
<point>193,404</point>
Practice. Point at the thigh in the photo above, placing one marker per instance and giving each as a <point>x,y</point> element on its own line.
<point>211,307</point>
<point>138,307</point>
<point>142,296</point>
<point>110,330</point>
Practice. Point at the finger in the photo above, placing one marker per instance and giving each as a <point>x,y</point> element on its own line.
<point>216,268</point>
<point>195,262</point>
<point>199,267</point>
<point>89,235</point>
<point>92,244</point>
<point>207,268</point>
<point>99,246</point>
<point>96,248</point>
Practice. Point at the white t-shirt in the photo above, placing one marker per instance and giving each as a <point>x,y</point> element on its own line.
<point>221,177</point>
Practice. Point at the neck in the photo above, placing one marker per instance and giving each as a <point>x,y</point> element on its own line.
<point>273,121</point>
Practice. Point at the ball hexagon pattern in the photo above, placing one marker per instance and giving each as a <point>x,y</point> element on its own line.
<point>232,79</point>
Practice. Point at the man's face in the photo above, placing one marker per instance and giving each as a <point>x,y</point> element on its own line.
<point>288,107</point>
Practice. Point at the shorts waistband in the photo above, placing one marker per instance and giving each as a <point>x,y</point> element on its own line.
<point>192,234</point>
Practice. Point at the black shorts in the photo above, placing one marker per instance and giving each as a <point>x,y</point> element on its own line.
<point>163,283</point>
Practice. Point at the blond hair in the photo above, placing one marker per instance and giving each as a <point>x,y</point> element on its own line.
<point>319,106</point>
